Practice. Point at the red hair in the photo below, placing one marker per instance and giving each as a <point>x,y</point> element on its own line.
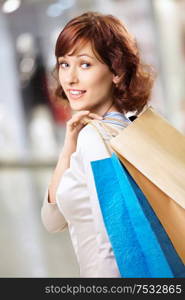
<point>115,46</point>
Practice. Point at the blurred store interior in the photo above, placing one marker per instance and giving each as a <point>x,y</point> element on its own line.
<point>32,122</point>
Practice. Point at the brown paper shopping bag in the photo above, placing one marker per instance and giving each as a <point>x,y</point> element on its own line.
<point>153,152</point>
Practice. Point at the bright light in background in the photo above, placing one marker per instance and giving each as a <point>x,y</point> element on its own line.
<point>165,6</point>
<point>10,6</point>
<point>27,65</point>
<point>56,9</point>
<point>25,43</point>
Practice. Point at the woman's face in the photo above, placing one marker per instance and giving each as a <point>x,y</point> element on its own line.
<point>86,81</point>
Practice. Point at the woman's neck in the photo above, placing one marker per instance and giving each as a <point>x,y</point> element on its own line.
<point>112,108</point>
<point>104,110</point>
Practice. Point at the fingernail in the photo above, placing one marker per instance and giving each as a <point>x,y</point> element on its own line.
<point>100,118</point>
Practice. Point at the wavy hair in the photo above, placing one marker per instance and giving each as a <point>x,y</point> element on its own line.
<point>117,48</point>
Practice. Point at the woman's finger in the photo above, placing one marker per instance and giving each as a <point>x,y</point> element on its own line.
<point>85,120</point>
<point>82,118</point>
<point>95,116</point>
<point>80,114</point>
<point>77,116</point>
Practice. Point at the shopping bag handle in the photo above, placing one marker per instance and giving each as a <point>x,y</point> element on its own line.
<point>109,130</point>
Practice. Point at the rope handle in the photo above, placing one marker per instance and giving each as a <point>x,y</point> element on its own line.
<point>111,131</point>
<point>108,129</point>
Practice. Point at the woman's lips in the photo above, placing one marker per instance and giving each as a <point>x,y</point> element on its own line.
<point>76,94</point>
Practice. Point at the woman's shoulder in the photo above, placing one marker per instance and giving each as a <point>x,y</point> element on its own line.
<point>90,134</point>
<point>88,131</point>
<point>94,132</point>
<point>90,141</point>
<point>98,130</point>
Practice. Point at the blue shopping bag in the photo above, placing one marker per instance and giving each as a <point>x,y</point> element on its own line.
<point>140,244</point>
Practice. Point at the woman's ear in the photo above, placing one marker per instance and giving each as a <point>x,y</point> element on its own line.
<point>115,79</point>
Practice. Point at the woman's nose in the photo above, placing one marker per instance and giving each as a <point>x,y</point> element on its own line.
<point>72,76</point>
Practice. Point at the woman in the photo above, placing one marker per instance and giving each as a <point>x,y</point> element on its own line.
<point>101,76</point>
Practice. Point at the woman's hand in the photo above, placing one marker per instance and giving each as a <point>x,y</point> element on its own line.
<point>79,120</point>
<point>73,127</point>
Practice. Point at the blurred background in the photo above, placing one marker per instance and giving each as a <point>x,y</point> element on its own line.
<point>32,121</point>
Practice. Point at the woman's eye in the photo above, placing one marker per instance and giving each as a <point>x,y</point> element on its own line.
<point>85,65</point>
<point>63,64</point>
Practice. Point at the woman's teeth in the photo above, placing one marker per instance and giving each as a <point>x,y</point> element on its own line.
<point>77,92</point>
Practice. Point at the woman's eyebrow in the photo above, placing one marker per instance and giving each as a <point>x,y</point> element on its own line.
<point>85,54</point>
<point>82,54</point>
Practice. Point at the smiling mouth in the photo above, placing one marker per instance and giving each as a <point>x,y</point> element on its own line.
<point>76,94</point>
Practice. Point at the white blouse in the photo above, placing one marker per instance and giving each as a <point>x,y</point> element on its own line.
<point>77,206</point>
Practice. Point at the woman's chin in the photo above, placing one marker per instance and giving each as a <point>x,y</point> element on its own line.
<point>77,107</point>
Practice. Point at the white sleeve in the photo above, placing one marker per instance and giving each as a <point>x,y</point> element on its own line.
<point>77,181</point>
<point>51,217</point>
<point>72,186</point>
<point>93,149</point>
